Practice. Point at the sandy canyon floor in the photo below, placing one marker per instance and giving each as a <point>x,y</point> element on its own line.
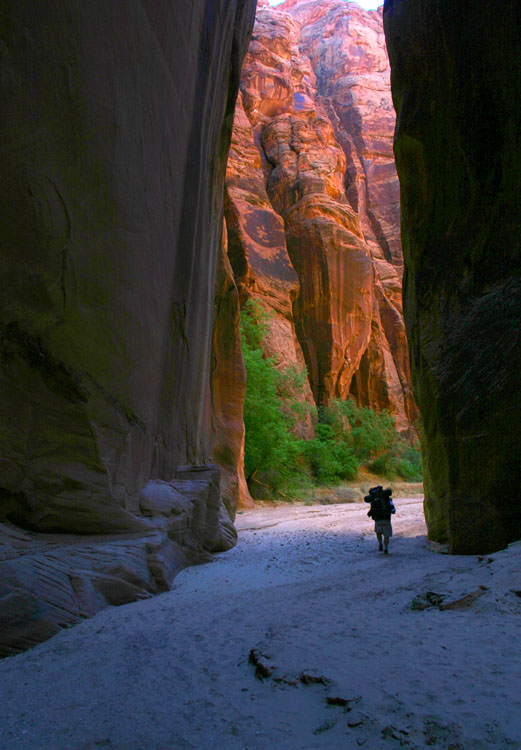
<point>307,603</point>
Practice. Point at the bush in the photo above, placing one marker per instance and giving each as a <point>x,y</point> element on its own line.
<point>330,454</point>
<point>270,445</point>
<point>370,432</point>
<point>402,460</point>
<point>375,441</point>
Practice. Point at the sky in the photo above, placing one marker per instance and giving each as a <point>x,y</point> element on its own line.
<point>368,4</point>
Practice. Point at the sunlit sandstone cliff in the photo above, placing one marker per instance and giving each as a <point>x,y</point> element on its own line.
<point>456,77</point>
<point>115,127</point>
<point>313,203</point>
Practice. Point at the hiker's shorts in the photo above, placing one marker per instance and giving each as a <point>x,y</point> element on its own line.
<point>383,527</point>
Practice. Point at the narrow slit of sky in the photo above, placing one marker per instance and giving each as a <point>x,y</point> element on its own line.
<point>367,4</point>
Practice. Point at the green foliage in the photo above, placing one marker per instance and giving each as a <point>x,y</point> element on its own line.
<point>400,460</point>
<point>330,454</point>
<point>375,441</point>
<point>290,384</point>
<point>330,462</point>
<point>371,432</point>
<point>346,435</point>
<point>254,325</point>
<point>270,445</point>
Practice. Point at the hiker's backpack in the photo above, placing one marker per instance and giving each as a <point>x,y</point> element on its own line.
<point>381,508</point>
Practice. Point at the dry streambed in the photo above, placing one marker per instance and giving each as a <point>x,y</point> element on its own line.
<point>303,636</point>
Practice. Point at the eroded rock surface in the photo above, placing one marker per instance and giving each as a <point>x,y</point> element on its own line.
<point>51,581</point>
<point>115,127</point>
<point>314,157</point>
<point>258,253</point>
<point>228,388</point>
<point>456,86</point>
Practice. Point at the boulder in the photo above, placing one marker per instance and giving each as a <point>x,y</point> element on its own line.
<point>51,581</point>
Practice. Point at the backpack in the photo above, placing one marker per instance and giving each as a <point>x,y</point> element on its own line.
<point>381,508</point>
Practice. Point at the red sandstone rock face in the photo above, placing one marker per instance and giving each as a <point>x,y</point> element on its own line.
<point>315,89</point>
<point>257,250</point>
<point>347,49</point>
<point>228,388</point>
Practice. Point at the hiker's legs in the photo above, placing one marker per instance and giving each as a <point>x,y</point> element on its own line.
<point>379,537</point>
<point>386,543</point>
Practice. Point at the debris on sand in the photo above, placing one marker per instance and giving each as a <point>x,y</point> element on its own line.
<point>432,599</point>
<point>465,601</point>
<point>347,703</point>
<point>313,678</point>
<point>355,719</point>
<point>264,667</point>
<point>429,599</point>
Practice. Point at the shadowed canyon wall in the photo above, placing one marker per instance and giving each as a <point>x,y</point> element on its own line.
<point>456,79</point>
<point>116,121</point>
<point>312,201</point>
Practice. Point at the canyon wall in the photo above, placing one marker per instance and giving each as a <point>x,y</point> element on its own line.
<point>456,80</point>
<point>313,201</point>
<point>116,122</point>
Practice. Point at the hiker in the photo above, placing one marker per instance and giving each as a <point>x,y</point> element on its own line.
<point>382,507</point>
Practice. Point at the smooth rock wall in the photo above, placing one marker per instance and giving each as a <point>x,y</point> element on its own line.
<point>115,128</point>
<point>114,136</point>
<point>456,81</point>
